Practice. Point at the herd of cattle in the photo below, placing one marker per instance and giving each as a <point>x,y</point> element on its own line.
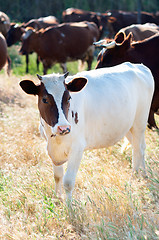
<point>112,102</point>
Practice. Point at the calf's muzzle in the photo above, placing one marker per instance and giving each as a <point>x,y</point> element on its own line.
<point>63,130</point>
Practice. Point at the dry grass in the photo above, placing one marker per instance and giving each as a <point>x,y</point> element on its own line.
<point>108,203</point>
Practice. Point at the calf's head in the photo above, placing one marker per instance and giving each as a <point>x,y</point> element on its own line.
<point>54,96</point>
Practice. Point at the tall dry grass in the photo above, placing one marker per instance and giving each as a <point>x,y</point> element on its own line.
<point>108,203</point>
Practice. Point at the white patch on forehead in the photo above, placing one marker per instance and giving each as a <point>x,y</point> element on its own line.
<point>62,35</point>
<point>54,84</point>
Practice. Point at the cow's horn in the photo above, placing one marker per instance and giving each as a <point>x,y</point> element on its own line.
<point>16,25</point>
<point>110,45</point>
<point>40,77</point>
<point>66,74</point>
<point>100,43</point>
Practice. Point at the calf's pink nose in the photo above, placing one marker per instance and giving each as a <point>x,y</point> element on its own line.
<point>62,130</point>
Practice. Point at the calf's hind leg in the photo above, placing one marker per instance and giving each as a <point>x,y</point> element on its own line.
<point>138,150</point>
<point>127,142</point>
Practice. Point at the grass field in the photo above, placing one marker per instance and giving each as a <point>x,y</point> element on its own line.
<point>108,203</point>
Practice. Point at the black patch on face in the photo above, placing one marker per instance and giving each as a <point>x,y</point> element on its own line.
<point>65,104</point>
<point>47,106</point>
<point>76,117</point>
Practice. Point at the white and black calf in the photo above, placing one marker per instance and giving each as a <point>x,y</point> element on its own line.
<point>92,109</point>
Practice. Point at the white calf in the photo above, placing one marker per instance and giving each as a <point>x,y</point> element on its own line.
<point>114,102</point>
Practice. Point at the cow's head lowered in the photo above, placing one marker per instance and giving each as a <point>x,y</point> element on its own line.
<point>54,96</point>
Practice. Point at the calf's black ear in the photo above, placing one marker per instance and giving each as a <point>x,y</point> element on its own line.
<point>29,87</point>
<point>77,84</point>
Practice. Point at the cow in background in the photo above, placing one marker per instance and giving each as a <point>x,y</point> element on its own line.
<point>90,110</point>
<point>4,57</point>
<point>4,23</point>
<point>42,22</point>
<point>120,19</point>
<point>139,32</point>
<point>122,49</point>
<point>62,43</point>
<point>79,15</point>
<point>16,31</point>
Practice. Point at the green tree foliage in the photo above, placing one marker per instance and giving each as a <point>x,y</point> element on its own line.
<point>24,10</point>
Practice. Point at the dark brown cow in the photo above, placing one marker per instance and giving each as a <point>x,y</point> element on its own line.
<point>65,42</point>
<point>42,22</point>
<point>120,19</point>
<point>146,52</point>
<point>16,31</point>
<point>4,58</point>
<point>140,32</point>
<point>14,34</point>
<point>4,23</point>
<point>78,15</point>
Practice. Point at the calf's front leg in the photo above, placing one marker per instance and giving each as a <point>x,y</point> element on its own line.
<point>75,157</point>
<point>58,176</point>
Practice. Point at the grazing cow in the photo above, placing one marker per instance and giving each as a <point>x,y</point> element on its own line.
<point>4,23</point>
<point>79,15</point>
<point>92,109</point>
<point>16,31</point>
<point>4,58</point>
<point>146,52</point>
<point>120,19</point>
<point>62,43</point>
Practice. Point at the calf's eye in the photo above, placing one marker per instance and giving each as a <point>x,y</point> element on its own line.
<point>44,100</point>
<point>69,99</point>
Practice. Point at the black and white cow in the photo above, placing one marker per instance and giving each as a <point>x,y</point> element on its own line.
<point>92,109</point>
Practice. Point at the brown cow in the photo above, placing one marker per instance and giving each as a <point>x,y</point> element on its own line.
<point>140,32</point>
<point>42,22</point>
<point>14,34</point>
<point>120,19</point>
<point>78,15</point>
<point>4,23</point>
<point>4,58</point>
<point>147,52</point>
<point>62,43</point>
<point>16,31</point>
